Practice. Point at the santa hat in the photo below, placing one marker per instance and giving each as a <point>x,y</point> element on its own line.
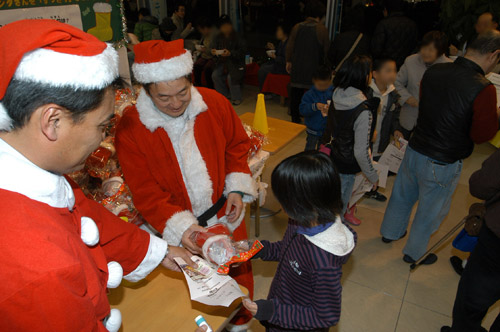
<point>53,53</point>
<point>160,61</point>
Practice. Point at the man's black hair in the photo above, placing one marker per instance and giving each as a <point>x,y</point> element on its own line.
<point>380,62</point>
<point>22,98</point>
<point>147,86</point>
<point>224,19</point>
<point>438,39</point>
<point>307,185</point>
<point>286,27</point>
<point>315,9</point>
<point>179,4</point>
<point>144,12</point>
<point>354,72</point>
<point>323,73</point>
<point>485,43</point>
<point>393,5</point>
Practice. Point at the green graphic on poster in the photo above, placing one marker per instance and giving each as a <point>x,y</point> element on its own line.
<point>101,18</point>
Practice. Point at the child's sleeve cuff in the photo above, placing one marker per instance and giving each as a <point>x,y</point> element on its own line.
<point>265,310</point>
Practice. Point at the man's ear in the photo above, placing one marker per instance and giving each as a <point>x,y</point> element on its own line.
<point>51,116</point>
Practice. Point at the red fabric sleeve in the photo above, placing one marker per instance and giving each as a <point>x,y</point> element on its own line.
<point>122,242</point>
<point>56,302</point>
<point>155,204</point>
<point>485,118</point>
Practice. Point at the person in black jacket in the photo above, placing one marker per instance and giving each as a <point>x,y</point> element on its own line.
<point>457,109</point>
<point>277,62</point>
<point>396,35</point>
<point>479,286</point>
<point>229,50</point>
<point>350,127</point>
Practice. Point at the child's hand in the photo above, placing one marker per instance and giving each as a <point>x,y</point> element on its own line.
<point>322,107</point>
<point>250,306</point>
<point>398,135</point>
<point>412,101</point>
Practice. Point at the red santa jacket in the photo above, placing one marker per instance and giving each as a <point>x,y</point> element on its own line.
<point>60,251</point>
<point>177,168</point>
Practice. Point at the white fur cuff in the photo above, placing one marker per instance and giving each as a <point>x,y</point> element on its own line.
<point>156,253</point>
<point>177,225</point>
<point>242,182</point>
<point>5,120</point>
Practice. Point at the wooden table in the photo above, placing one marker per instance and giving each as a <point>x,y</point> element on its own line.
<point>161,302</point>
<point>280,133</point>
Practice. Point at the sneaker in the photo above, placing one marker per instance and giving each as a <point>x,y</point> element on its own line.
<point>429,260</point>
<point>386,240</point>
<point>350,217</point>
<point>456,263</point>
<point>374,194</point>
<point>445,329</point>
<point>236,102</point>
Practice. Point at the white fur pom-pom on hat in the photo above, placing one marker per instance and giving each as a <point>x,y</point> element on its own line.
<point>89,232</point>
<point>115,274</point>
<point>113,322</point>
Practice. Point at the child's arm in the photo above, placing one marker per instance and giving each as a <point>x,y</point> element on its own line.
<point>362,127</point>
<point>271,251</point>
<point>307,105</point>
<point>323,312</point>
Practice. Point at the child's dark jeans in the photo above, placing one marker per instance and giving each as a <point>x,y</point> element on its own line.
<point>313,140</point>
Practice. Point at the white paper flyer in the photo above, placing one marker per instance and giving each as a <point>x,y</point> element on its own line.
<point>208,287</point>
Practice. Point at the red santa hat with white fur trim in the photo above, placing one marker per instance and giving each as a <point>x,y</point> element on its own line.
<point>161,61</point>
<point>53,53</point>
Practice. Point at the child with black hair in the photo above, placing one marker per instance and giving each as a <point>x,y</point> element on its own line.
<point>314,106</point>
<point>351,125</point>
<point>387,124</point>
<point>306,292</point>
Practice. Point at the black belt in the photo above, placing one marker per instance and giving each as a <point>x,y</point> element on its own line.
<point>214,209</point>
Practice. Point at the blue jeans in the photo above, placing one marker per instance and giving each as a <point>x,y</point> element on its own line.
<point>219,77</point>
<point>432,184</point>
<point>312,142</point>
<point>346,184</point>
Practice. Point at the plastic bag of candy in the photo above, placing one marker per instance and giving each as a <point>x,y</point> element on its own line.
<point>219,248</point>
<point>257,140</point>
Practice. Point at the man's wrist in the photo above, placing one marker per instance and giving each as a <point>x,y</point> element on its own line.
<point>242,194</point>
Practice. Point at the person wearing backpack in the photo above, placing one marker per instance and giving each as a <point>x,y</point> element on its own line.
<point>351,125</point>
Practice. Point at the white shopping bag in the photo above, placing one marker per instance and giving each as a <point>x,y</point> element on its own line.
<point>362,185</point>
<point>393,156</point>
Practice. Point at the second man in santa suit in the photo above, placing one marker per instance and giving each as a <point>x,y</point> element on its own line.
<point>183,151</point>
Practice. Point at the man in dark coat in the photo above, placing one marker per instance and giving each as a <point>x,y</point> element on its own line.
<point>396,35</point>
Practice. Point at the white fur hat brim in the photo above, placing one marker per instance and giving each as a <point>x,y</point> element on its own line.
<point>164,70</point>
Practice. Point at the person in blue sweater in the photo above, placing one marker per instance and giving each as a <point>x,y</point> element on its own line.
<point>306,291</point>
<point>314,106</point>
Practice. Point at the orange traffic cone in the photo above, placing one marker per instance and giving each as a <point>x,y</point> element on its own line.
<point>260,117</point>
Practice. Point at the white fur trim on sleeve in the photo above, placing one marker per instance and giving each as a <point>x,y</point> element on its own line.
<point>156,253</point>
<point>177,225</point>
<point>243,182</point>
<point>60,69</point>
<point>164,70</point>
<point>5,119</point>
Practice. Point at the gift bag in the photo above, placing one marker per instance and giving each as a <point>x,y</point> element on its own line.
<point>393,155</point>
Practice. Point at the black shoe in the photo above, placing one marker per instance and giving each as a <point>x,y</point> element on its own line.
<point>445,329</point>
<point>386,240</point>
<point>456,263</point>
<point>374,194</point>
<point>236,102</point>
<point>430,259</point>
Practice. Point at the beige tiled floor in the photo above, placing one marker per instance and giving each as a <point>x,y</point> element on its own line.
<point>380,293</point>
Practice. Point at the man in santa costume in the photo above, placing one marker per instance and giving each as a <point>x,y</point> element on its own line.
<point>59,250</point>
<point>183,151</point>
